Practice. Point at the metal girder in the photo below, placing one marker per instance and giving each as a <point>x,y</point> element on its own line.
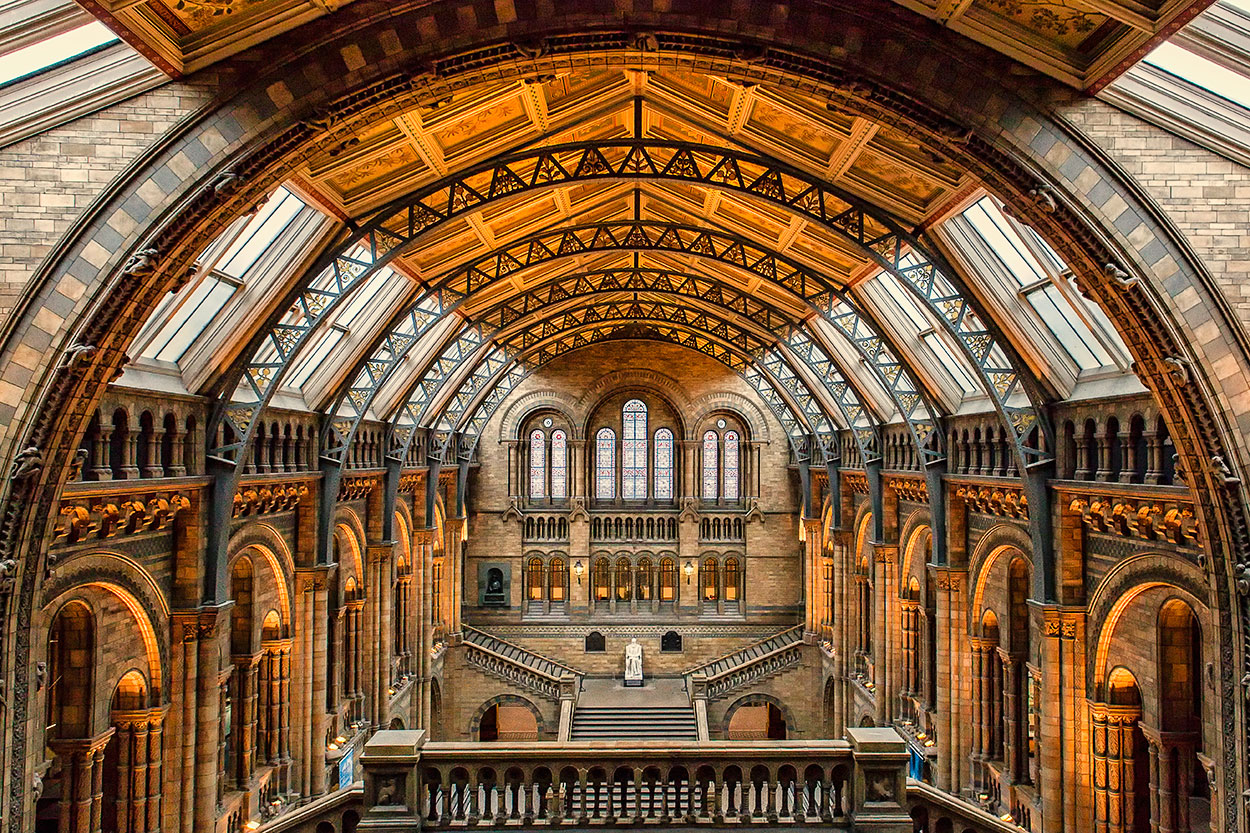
<point>489,390</point>
<point>778,325</point>
<point>818,293</point>
<point>871,231</point>
<point>711,330</point>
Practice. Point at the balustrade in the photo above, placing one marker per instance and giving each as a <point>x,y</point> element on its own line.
<point>606,783</point>
<point>720,528</point>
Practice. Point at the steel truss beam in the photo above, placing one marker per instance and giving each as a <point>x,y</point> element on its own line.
<point>521,354</point>
<point>469,347</point>
<point>868,229</point>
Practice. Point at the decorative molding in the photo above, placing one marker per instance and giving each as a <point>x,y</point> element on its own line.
<point>1002,501</point>
<point>102,518</point>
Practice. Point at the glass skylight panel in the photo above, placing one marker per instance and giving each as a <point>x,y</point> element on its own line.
<point>29,60</point>
<point>953,364</point>
<point>313,358</point>
<point>203,304</point>
<point>1201,72</point>
<point>260,233</point>
<point>1035,268</point>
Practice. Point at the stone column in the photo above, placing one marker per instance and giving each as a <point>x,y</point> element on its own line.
<point>101,469</point>
<point>154,467</point>
<point>1111,743</point>
<point>320,610</point>
<point>382,557</point>
<point>208,720</point>
<point>81,796</point>
<point>812,547</point>
<point>1013,730</point>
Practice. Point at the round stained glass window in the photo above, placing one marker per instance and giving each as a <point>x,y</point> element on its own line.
<point>720,423</point>
<point>547,422</point>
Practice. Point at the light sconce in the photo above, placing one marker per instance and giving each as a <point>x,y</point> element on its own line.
<point>578,569</point>
<point>688,569</point>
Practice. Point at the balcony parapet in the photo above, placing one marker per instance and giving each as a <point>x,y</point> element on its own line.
<point>855,784</point>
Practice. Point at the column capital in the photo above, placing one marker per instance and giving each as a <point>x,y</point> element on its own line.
<point>314,577</point>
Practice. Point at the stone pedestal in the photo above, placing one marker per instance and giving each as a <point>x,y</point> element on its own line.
<point>879,785</point>
<point>392,797</point>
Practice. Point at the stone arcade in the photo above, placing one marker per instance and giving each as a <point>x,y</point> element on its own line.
<point>443,413</point>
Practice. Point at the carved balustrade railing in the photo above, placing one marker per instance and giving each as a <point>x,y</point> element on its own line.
<point>747,666</point>
<point>591,784</point>
<point>513,664</point>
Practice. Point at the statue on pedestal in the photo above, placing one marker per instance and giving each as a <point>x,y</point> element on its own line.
<point>633,663</point>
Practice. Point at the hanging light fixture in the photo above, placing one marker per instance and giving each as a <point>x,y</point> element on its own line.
<point>688,569</point>
<point>578,569</point>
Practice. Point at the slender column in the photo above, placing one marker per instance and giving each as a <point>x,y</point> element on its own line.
<point>130,455</point>
<point>100,468</point>
<point>1154,457</point>
<point>154,467</point>
<point>1012,729</point>
<point>978,701</point>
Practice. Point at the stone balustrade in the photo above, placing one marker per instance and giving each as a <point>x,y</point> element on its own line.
<point>753,663</point>
<point>854,784</point>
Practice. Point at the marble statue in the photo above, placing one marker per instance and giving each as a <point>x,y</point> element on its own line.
<point>633,663</point>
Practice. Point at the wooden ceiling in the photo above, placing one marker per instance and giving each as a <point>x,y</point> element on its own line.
<point>1085,43</point>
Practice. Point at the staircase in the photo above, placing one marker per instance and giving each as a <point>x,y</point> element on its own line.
<point>516,665</point>
<point>747,666</point>
<point>634,723</point>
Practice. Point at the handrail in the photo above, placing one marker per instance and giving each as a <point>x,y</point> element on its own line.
<point>983,822</point>
<point>791,636</point>
<point>517,665</point>
<point>314,809</point>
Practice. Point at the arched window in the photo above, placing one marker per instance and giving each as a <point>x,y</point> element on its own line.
<point>642,590</point>
<point>557,579</point>
<point>634,451</point>
<point>707,578</point>
<point>605,464</point>
<point>624,579</point>
<point>601,580</point>
<point>663,464</point>
<point>730,473</point>
<point>559,465</point>
<point>534,580</point>
<point>711,448</point>
<point>733,579</point>
<point>538,464</point>
<point>668,580</point>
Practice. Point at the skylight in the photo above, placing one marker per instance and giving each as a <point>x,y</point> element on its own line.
<point>1201,72</point>
<point>47,53</point>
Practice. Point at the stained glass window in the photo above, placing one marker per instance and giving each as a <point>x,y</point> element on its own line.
<point>663,464</point>
<point>605,464</point>
<point>643,580</point>
<point>602,580</point>
<point>731,466</point>
<point>534,580</point>
<point>634,451</point>
<point>538,464</point>
<point>709,579</point>
<point>711,448</point>
<point>733,579</point>
<point>559,465</point>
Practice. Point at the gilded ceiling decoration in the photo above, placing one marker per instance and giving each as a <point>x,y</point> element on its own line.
<point>1085,43</point>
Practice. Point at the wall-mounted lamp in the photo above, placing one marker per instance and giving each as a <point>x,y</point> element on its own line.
<point>578,569</point>
<point>688,569</point>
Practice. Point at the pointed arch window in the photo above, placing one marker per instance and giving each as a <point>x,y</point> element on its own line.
<point>559,465</point>
<point>605,464</point>
<point>663,464</point>
<point>538,464</point>
<point>634,450</point>
<point>730,470</point>
<point>711,449</point>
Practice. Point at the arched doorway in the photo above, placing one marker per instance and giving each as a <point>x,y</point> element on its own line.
<point>506,722</point>
<point>760,721</point>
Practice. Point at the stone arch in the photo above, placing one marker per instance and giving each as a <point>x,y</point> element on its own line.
<point>998,540</point>
<point>912,535</point>
<point>521,408</point>
<point>758,699</point>
<point>1121,587</point>
<point>621,381</point>
<point>751,414</point>
<point>505,700</point>
<point>1008,138</point>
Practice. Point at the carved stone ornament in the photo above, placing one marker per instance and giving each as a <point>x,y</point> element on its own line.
<point>26,464</point>
<point>577,510</point>
<point>1178,369</point>
<point>513,512</point>
<point>142,263</point>
<point>646,42</point>
<point>1122,279</point>
<point>1044,198</point>
<point>77,354</point>
<point>531,51</point>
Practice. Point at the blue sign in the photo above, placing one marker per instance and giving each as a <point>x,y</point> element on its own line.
<point>346,769</point>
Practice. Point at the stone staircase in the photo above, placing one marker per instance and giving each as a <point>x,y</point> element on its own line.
<point>516,665</point>
<point>748,665</point>
<point>634,723</point>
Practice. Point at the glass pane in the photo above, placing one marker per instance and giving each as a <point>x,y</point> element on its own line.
<point>711,448</point>
<point>993,228</point>
<point>731,465</point>
<point>1071,332</point>
<point>559,465</point>
<point>312,359</point>
<point>556,580</point>
<point>197,313</point>
<point>624,581</point>
<point>1201,72</point>
<point>668,580</point>
<point>538,464</point>
<point>605,464</point>
<point>707,578</point>
<point>664,464</point>
<point>46,53</point>
<point>261,230</point>
<point>634,451</point>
